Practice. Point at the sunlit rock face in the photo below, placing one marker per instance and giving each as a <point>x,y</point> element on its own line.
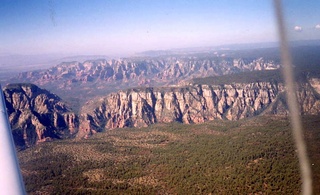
<point>308,97</point>
<point>37,115</point>
<point>192,104</point>
<point>141,71</point>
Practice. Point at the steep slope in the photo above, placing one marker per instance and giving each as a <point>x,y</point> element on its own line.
<point>191,104</point>
<point>36,115</point>
<point>113,75</point>
<point>194,103</point>
<point>139,70</point>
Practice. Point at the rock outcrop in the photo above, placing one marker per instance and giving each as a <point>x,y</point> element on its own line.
<point>137,71</point>
<point>37,115</point>
<point>192,104</point>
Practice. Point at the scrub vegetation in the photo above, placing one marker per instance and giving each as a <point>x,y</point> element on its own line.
<point>251,156</point>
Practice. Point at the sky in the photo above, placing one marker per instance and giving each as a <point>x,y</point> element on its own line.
<point>124,27</point>
<point>302,19</point>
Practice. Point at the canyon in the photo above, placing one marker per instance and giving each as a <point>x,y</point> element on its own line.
<point>36,115</point>
<point>99,77</point>
<point>195,103</point>
<point>98,95</point>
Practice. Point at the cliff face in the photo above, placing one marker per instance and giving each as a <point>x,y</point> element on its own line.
<point>309,98</point>
<point>142,71</point>
<point>36,115</point>
<point>99,77</point>
<point>192,104</point>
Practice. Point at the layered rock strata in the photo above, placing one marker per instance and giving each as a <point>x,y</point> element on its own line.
<point>37,115</point>
<point>143,71</point>
<point>192,104</point>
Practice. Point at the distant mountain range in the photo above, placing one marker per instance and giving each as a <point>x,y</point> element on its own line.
<point>36,115</point>
<point>99,77</point>
<point>140,91</point>
<point>11,64</point>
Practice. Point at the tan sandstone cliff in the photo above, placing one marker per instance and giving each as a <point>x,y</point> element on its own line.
<point>192,104</point>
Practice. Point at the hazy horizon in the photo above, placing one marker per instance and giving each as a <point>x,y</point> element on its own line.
<point>126,27</point>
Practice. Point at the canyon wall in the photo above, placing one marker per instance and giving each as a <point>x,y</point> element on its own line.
<point>37,115</point>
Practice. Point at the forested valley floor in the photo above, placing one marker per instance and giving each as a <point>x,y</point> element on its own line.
<point>251,156</point>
